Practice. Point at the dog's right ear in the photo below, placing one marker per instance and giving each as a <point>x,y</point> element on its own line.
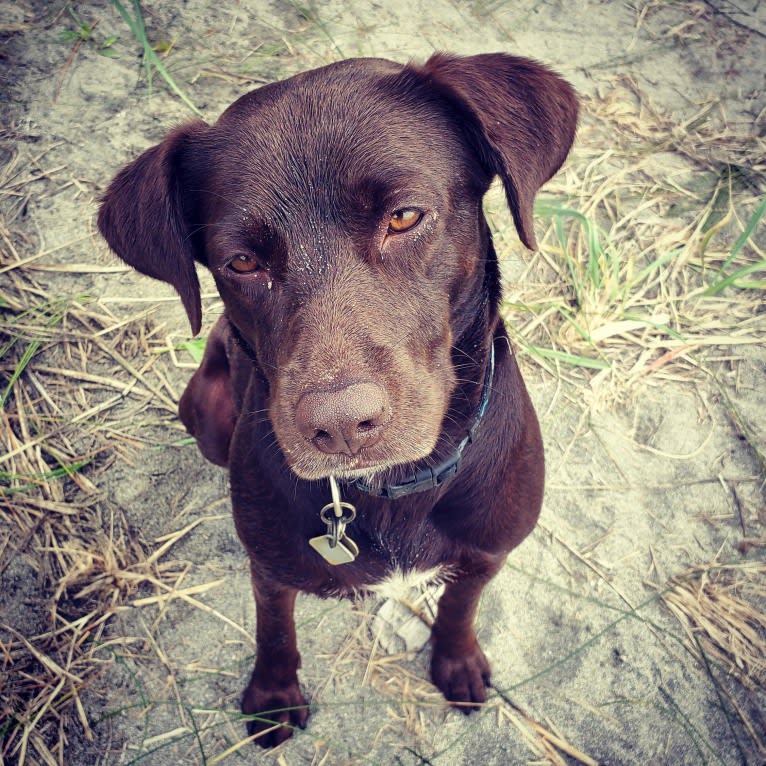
<point>144,216</point>
<point>526,117</point>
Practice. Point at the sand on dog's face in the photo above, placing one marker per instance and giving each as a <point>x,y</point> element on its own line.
<point>641,490</point>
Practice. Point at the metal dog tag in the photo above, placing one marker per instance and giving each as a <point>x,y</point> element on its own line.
<point>335,547</point>
<point>344,552</point>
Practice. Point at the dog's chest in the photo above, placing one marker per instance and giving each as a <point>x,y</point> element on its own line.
<point>403,537</point>
<point>399,550</point>
<point>392,584</point>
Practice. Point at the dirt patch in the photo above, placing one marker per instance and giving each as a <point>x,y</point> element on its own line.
<point>630,627</point>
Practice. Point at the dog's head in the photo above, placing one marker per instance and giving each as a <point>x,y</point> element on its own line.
<point>340,213</point>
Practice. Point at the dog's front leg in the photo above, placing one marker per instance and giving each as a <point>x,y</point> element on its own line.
<point>273,694</point>
<point>458,665</point>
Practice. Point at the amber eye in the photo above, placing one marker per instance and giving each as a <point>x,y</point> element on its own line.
<point>403,220</point>
<point>244,264</point>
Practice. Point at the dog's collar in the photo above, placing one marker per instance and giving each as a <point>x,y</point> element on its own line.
<point>431,477</point>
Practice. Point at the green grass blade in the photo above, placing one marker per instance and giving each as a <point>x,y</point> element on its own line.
<point>746,234</point>
<point>195,348</point>
<point>571,359</point>
<point>647,271</point>
<point>596,254</point>
<point>733,277</point>
<point>312,16</point>
<point>138,29</point>
<point>26,358</point>
<point>33,479</point>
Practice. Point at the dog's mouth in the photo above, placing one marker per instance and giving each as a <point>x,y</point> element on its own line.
<point>367,472</point>
<point>313,467</point>
<point>373,464</point>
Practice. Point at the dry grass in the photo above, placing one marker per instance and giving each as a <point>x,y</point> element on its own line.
<point>72,377</point>
<point>413,702</point>
<point>722,608</point>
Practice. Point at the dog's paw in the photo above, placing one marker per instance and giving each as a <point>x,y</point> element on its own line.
<point>274,713</point>
<point>462,680</point>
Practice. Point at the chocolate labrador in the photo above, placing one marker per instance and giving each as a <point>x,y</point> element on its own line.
<point>359,386</point>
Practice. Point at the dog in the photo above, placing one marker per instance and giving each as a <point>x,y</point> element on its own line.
<point>359,386</point>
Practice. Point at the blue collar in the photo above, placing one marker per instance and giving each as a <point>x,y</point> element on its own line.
<point>431,477</point>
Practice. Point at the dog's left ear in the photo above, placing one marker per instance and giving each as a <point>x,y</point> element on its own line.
<point>527,117</point>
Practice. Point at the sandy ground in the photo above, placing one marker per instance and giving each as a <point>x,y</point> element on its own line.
<point>652,488</point>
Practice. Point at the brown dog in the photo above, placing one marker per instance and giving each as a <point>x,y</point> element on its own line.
<point>340,213</point>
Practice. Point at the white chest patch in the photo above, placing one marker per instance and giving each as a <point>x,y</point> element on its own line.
<point>400,585</point>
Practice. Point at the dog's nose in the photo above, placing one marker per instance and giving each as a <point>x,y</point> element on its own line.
<point>346,420</point>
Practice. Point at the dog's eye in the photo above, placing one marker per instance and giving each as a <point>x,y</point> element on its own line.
<point>244,264</point>
<point>404,220</point>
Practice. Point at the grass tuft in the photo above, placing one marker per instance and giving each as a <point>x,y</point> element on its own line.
<point>635,279</point>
